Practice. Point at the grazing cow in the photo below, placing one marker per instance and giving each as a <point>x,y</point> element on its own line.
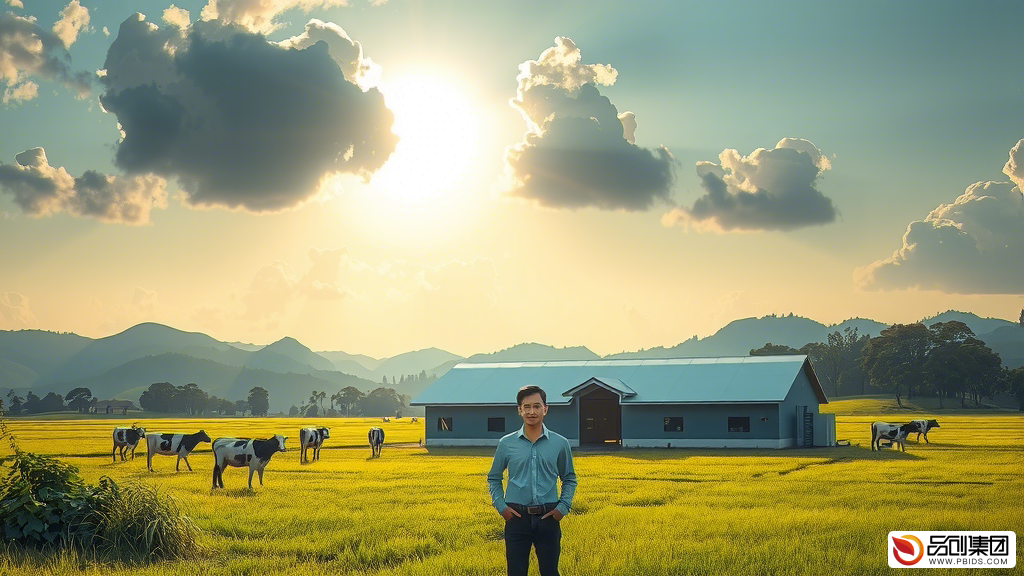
<point>376,436</point>
<point>414,420</point>
<point>238,452</point>
<point>892,432</point>
<point>126,439</point>
<point>923,427</point>
<point>312,438</point>
<point>171,444</point>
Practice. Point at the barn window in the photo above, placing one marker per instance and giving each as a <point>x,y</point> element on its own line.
<point>444,424</point>
<point>495,424</point>
<point>673,423</point>
<point>739,424</point>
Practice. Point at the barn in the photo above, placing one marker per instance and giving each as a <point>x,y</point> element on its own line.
<point>738,402</point>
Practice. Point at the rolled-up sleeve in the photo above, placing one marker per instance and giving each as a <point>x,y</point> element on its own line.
<point>494,477</point>
<point>568,475</point>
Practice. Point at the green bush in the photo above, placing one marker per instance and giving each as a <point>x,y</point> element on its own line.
<point>45,504</point>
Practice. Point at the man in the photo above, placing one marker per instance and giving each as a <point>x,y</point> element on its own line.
<point>531,507</point>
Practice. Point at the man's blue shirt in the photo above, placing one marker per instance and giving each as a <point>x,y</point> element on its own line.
<point>533,468</point>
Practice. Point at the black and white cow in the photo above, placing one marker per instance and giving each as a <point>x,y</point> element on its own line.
<point>312,438</point>
<point>173,444</point>
<point>239,452</point>
<point>893,432</point>
<point>127,439</point>
<point>923,427</point>
<point>376,437</point>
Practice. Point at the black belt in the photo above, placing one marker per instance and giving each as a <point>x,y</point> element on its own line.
<point>538,510</point>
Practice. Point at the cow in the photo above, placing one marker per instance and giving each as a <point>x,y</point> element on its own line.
<point>173,444</point>
<point>414,420</point>
<point>241,452</point>
<point>126,439</point>
<point>892,432</point>
<point>923,427</point>
<point>376,437</point>
<point>312,438</point>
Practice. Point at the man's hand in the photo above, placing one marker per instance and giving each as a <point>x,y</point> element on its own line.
<point>508,513</point>
<point>555,513</point>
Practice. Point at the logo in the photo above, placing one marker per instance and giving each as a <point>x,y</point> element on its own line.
<point>953,549</point>
<point>904,547</point>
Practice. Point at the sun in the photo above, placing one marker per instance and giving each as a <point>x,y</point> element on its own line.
<point>438,137</point>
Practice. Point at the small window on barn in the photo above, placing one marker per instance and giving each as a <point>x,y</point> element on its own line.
<point>590,423</point>
<point>495,424</point>
<point>444,424</point>
<point>673,423</point>
<point>739,424</point>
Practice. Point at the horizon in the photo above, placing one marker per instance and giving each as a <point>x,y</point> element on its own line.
<point>469,176</point>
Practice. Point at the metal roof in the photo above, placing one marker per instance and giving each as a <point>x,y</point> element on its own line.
<point>659,380</point>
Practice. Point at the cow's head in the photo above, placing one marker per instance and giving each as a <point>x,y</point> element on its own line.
<point>933,423</point>
<point>203,436</point>
<point>280,442</point>
<point>325,431</point>
<point>140,431</point>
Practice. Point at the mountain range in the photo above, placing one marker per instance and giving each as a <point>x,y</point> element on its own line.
<point>125,364</point>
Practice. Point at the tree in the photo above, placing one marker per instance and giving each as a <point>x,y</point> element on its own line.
<point>241,406</point>
<point>32,403</point>
<point>1021,321</point>
<point>1015,383</point>
<point>349,397</point>
<point>259,401</point>
<point>381,402</point>
<point>158,398</point>
<point>768,349</point>
<point>79,399</point>
<point>321,396</point>
<point>190,399</point>
<point>16,402</point>
<point>293,411</point>
<point>895,360</point>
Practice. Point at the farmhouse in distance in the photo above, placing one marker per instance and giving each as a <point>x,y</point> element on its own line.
<point>738,402</point>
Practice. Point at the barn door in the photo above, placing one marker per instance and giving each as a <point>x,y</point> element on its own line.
<point>600,417</point>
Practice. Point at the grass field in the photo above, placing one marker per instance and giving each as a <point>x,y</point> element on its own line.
<point>680,511</point>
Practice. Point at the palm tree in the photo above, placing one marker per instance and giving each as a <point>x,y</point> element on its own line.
<point>321,397</point>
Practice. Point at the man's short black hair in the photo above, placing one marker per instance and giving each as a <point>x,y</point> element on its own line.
<point>529,391</point>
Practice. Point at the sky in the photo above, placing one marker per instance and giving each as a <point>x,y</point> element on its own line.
<point>379,177</point>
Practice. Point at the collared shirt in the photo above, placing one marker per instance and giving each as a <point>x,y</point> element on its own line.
<point>532,470</point>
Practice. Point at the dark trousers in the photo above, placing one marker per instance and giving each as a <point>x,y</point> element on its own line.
<point>529,530</point>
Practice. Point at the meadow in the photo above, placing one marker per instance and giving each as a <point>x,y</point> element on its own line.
<point>680,511</point>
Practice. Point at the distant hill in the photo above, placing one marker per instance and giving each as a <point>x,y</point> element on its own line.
<point>230,382</point>
<point>1008,342</point>
<point>864,326</point>
<point>288,355</point>
<point>356,364</point>
<point>38,350</point>
<point>976,323</point>
<point>414,362</point>
<point>532,351</point>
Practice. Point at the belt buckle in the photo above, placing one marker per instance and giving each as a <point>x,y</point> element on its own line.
<point>534,510</point>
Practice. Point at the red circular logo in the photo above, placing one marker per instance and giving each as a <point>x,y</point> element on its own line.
<point>905,546</point>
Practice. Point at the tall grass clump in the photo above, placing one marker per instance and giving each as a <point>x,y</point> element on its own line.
<point>45,504</point>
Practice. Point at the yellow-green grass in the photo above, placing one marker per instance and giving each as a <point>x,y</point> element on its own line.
<point>678,511</point>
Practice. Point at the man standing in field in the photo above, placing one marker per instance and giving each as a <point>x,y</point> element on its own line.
<point>531,507</point>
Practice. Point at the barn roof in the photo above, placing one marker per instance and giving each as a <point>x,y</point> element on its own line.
<point>743,379</point>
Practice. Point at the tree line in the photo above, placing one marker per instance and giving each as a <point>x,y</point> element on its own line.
<point>79,399</point>
<point>193,401</point>
<point>351,401</point>
<point>945,360</point>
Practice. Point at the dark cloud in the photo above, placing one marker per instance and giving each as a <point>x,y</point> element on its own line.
<point>40,189</point>
<point>28,49</point>
<point>579,150</point>
<point>973,246</point>
<point>768,190</point>
<point>240,121</point>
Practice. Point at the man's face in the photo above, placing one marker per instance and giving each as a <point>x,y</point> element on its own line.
<point>533,409</point>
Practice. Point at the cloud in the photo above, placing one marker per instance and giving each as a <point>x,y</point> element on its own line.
<point>15,311</point>
<point>25,91</point>
<point>142,307</point>
<point>767,190</point>
<point>1014,167</point>
<point>269,293</point>
<point>321,281</point>
<point>346,52</point>
<point>579,150</point>
<point>177,17</point>
<point>240,121</point>
<point>973,246</point>
<point>40,190</point>
<point>15,4</point>
<point>28,49</point>
<point>106,31</point>
<point>73,19</point>
<point>259,15</point>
